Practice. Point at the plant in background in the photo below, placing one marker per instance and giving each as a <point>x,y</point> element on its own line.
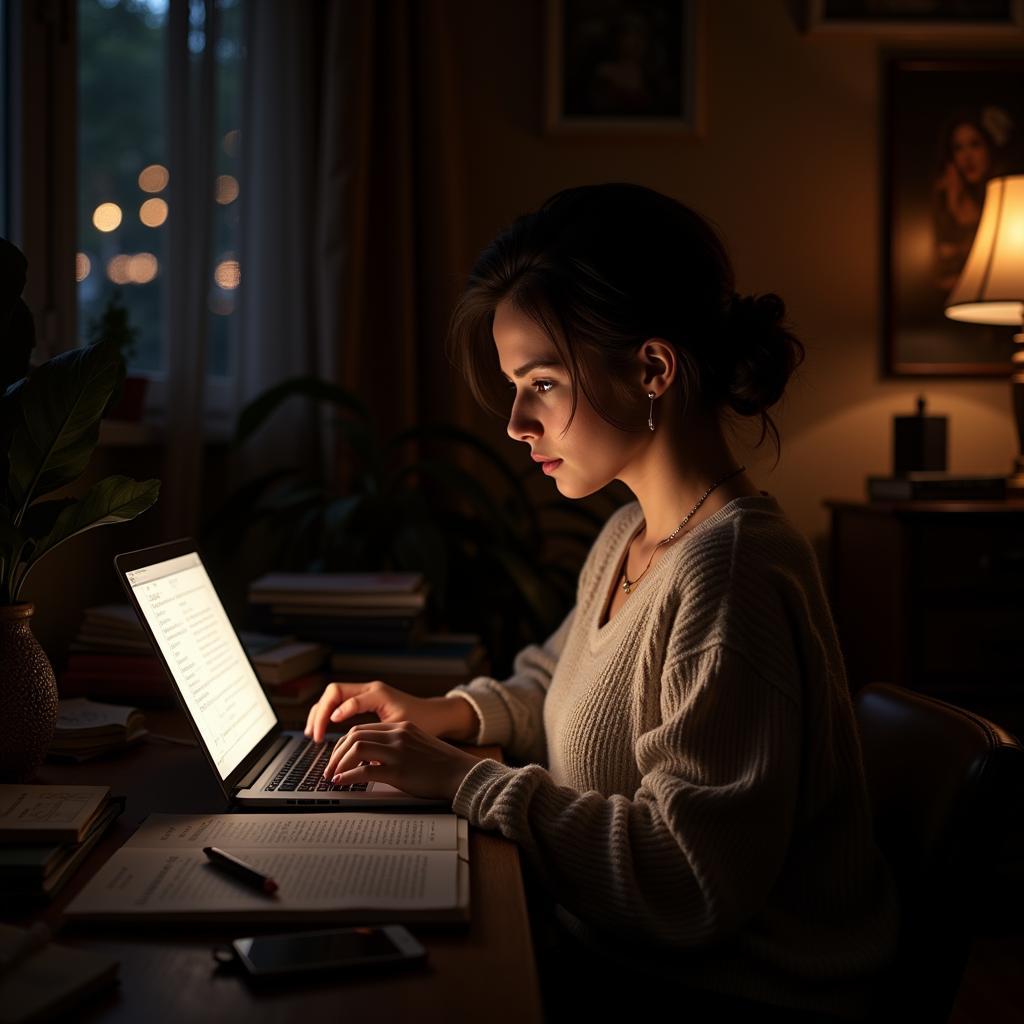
<point>50,426</point>
<point>55,413</point>
<point>475,534</point>
<point>114,327</point>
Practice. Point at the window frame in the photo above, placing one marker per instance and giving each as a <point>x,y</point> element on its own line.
<point>42,168</point>
<point>40,176</point>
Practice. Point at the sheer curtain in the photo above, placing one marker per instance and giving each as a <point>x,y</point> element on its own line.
<point>291,236</point>
<point>352,228</point>
<point>190,108</point>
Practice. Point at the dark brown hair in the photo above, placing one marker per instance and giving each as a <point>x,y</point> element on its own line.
<point>602,268</point>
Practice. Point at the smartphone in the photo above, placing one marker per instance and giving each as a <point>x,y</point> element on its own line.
<point>265,956</point>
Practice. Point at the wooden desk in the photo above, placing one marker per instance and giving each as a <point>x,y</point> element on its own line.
<point>485,968</point>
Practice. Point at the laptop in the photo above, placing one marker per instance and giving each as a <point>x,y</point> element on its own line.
<point>256,761</point>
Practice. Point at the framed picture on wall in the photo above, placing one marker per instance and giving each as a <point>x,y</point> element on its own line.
<point>623,67</point>
<point>951,124</point>
<point>977,17</point>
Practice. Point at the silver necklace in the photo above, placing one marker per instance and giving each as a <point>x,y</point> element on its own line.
<point>627,583</point>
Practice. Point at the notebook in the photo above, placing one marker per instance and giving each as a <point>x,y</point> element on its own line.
<point>256,762</point>
<point>330,868</point>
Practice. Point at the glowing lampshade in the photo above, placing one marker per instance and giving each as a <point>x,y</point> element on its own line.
<point>990,289</point>
<point>991,285</point>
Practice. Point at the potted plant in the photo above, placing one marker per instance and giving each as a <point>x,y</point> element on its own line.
<point>476,534</point>
<point>49,426</point>
<point>113,327</point>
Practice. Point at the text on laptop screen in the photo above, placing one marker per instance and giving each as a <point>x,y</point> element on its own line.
<point>214,676</point>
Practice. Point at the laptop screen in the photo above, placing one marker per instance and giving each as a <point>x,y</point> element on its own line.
<point>205,656</point>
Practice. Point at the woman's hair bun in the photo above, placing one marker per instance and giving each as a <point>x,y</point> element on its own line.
<point>600,269</point>
<point>762,351</point>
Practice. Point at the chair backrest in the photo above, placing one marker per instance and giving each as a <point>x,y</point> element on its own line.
<point>946,787</point>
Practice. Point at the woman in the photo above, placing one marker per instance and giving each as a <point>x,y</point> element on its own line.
<point>970,147</point>
<point>692,798</point>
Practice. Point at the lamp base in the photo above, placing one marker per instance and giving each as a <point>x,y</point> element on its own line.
<point>1015,481</point>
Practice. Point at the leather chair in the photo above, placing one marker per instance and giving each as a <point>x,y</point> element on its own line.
<point>947,794</point>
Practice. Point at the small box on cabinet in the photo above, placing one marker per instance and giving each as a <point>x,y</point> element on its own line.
<point>918,443</point>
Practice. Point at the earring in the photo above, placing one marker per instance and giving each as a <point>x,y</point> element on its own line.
<point>650,415</point>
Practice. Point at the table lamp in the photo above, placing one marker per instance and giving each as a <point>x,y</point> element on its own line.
<point>990,289</point>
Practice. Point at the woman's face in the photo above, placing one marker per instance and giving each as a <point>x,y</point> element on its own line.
<point>970,153</point>
<point>592,452</point>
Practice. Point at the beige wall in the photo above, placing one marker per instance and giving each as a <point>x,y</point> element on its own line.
<point>789,170</point>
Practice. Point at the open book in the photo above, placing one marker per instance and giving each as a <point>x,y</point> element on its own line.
<point>342,868</point>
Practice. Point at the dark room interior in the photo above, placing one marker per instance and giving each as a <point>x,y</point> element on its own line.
<point>241,244</point>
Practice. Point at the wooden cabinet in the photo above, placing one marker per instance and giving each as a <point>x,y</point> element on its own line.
<point>930,595</point>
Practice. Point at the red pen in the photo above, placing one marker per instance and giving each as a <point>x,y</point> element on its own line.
<point>241,870</point>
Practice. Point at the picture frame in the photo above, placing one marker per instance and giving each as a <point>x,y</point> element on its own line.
<point>914,17</point>
<point>950,124</point>
<point>624,67</point>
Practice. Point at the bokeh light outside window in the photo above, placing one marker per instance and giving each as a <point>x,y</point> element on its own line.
<point>123,208</point>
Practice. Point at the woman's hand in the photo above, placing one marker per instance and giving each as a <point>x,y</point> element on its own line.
<point>402,755</point>
<point>437,716</point>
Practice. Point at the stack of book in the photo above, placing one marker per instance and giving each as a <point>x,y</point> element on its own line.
<point>291,672</point>
<point>427,669</point>
<point>46,832</point>
<point>87,729</point>
<point>112,659</point>
<point>342,609</point>
<point>375,625</point>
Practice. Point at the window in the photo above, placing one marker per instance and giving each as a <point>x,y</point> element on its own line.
<point>124,168</point>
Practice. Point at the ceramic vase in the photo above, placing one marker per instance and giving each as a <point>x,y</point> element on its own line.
<point>28,696</point>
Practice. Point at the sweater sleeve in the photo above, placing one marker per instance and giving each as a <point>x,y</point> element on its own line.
<point>511,712</point>
<point>696,850</point>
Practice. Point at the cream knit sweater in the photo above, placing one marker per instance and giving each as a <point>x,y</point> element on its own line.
<point>693,793</point>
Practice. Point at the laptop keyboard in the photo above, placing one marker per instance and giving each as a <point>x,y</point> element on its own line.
<point>303,772</point>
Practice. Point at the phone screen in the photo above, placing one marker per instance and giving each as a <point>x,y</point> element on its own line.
<point>309,950</point>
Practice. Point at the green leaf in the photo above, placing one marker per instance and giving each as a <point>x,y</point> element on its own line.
<point>61,403</point>
<point>255,414</point>
<point>12,541</point>
<point>8,418</point>
<point>339,511</point>
<point>42,516</point>
<point>116,499</point>
<point>360,436</point>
